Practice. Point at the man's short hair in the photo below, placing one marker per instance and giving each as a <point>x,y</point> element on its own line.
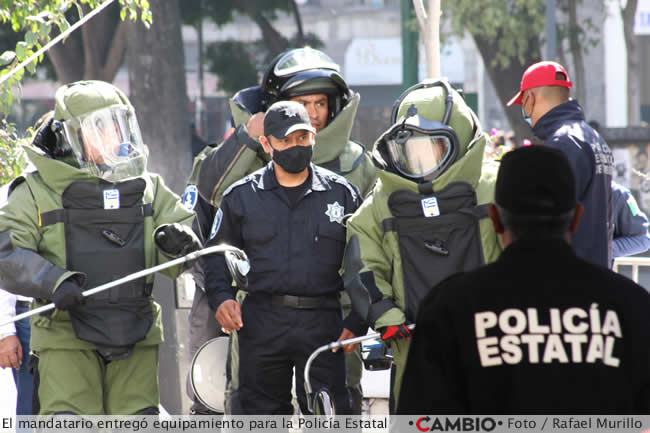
<point>536,192</point>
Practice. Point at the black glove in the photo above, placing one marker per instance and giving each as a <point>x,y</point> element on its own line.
<point>176,240</point>
<point>67,295</point>
<point>395,332</point>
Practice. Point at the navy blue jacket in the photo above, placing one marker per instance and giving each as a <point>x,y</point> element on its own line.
<point>630,224</point>
<point>292,250</point>
<point>564,128</point>
<point>537,331</point>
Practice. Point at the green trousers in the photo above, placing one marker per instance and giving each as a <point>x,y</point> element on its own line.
<point>400,349</point>
<point>81,382</point>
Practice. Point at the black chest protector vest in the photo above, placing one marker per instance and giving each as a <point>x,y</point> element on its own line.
<point>435,247</point>
<point>104,238</point>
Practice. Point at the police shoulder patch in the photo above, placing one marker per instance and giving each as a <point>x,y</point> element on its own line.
<point>190,197</point>
<point>216,223</point>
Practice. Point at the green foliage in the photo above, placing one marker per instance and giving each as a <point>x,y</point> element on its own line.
<point>507,22</point>
<point>233,62</point>
<point>12,156</point>
<point>33,21</point>
<point>223,11</point>
<point>241,64</point>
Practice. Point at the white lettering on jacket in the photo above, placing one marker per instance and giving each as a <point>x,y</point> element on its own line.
<point>534,336</point>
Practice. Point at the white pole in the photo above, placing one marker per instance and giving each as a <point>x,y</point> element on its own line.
<point>134,276</point>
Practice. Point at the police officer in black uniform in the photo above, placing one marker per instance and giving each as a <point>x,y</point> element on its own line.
<point>288,218</point>
<point>540,330</point>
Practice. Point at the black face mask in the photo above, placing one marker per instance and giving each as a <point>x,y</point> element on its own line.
<point>294,159</point>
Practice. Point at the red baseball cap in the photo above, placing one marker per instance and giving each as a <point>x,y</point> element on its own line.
<point>541,74</point>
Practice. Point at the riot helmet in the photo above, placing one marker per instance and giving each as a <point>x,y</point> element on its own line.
<point>423,142</point>
<point>97,130</point>
<point>305,71</point>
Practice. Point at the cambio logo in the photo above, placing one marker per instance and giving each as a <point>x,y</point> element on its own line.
<point>475,424</point>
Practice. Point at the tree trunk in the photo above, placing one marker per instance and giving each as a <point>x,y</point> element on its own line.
<point>578,72</point>
<point>633,82</point>
<point>429,20</point>
<point>67,59</point>
<point>506,81</point>
<point>158,91</point>
<point>96,53</point>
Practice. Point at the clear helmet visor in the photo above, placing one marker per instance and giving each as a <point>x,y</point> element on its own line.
<point>108,143</point>
<point>303,59</point>
<point>419,156</point>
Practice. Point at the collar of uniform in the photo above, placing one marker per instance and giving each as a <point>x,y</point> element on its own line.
<point>536,251</point>
<point>268,181</point>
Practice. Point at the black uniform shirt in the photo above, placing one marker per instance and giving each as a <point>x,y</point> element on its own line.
<point>293,250</point>
<point>538,331</point>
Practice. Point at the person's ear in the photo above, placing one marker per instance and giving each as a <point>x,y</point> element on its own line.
<point>266,145</point>
<point>493,213</point>
<point>576,218</point>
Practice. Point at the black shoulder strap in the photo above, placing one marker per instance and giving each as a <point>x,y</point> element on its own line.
<point>14,184</point>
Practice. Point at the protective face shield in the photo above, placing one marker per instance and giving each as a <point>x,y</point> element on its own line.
<point>421,149</point>
<point>107,142</point>
<point>417,148</point>
<point>305,71</point>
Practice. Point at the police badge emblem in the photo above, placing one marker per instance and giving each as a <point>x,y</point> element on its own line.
<point>190,197</point>
<point>336,212</point>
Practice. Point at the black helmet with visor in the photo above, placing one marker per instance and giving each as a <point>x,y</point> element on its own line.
<point>305,71</point>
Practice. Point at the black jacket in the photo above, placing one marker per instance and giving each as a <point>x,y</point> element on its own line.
<point>538,331</point>
<point>292,250</point>
<point>564,128</point>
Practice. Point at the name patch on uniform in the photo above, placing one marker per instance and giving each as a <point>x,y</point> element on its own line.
<point>190,197</point>
<point>216,223</point>
<point>111,199</point>
<point>430,207</point>
<point>336,212</point>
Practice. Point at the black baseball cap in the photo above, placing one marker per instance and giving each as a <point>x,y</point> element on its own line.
<point>285,117</point>
<point>536,180</point>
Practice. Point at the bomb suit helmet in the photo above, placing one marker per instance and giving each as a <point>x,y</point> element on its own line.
<point>97,131</point>
<point>432,128</point>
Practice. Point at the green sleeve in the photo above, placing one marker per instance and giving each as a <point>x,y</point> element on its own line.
<point>168,209</point>
<point>236,157</point>
<point>22,269</point>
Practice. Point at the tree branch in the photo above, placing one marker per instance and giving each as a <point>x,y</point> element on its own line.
<point>91,62</point>
<point>115,54</point>
<point>297,17</point>
<point>576,52</point>
<point>274,41</point>
<point>420,12</point>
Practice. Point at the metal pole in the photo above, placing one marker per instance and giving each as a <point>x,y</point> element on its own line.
<point>201,121</point>
<point>334,345</point>
<point>551,36</point>
<point>215,249</point>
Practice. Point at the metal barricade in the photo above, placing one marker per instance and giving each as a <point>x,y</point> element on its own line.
<point>635,262</point>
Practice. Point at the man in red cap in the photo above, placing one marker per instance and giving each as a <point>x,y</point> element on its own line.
<point>560,122</point>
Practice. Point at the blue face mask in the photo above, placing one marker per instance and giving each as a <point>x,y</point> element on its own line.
<point>526,117</point>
